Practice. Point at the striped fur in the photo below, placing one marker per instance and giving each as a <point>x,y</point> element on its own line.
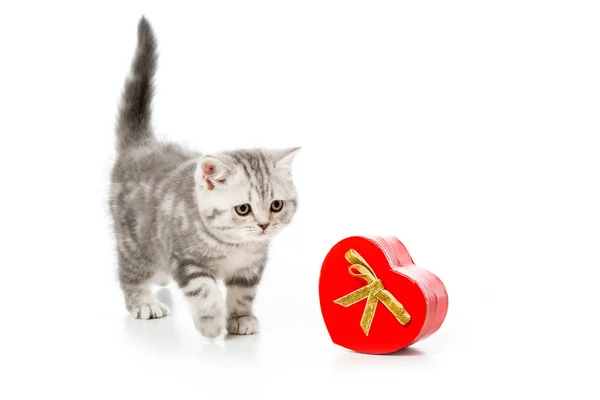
<point>174,213</point>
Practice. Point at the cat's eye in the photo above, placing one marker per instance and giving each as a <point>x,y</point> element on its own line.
<point>243,209</point>
<point>276,205</point>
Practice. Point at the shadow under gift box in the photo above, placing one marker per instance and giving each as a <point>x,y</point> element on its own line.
<point>410,303</point>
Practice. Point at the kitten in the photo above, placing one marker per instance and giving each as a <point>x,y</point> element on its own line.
<point>196,218</point>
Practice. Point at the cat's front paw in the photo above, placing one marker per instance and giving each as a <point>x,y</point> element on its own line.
<point>246,325</point>
<point>209,327</point>
<point>149,311</point>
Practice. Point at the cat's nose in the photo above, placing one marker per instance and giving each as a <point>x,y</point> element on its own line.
<point>263,226</point>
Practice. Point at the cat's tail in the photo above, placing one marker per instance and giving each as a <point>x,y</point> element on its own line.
<point>134,119</point>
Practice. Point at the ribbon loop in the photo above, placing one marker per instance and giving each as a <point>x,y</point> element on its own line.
<point>374,292</point>
<point>365,273</point>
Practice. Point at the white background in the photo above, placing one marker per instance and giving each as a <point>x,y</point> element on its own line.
<point>467,129</point>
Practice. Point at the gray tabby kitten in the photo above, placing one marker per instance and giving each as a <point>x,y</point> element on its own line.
<point>196,218</point>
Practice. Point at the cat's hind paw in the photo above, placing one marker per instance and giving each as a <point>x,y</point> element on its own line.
<point>149,311</point>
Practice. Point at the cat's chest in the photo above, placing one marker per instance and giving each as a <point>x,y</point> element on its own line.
<point>239,259</point>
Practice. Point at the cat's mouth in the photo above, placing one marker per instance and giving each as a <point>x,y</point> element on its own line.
<point>263,235</point>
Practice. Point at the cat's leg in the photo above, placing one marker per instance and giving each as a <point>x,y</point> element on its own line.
<point>204,297</point>
<point>241,291</point>
<point>135,281</point>
<point>162,278</point>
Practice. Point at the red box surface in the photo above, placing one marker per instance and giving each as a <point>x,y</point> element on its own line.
<point>417,296</point>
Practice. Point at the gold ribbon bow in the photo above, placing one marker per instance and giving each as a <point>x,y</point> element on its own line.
<point>374,292</point>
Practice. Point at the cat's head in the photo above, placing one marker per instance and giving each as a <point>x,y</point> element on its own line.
<point>246,195</point>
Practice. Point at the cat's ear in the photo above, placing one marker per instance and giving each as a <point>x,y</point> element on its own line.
<point>285,157</point>
<point>214,172</point>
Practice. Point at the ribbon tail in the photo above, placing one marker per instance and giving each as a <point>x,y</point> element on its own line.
<point>368,314</point>
<point>354,297</point>
<point>394,306</point>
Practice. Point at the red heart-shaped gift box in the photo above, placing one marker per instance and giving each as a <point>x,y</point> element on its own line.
<point>374,299</point>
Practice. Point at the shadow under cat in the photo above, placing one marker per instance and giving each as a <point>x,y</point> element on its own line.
<point>176,337</point>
